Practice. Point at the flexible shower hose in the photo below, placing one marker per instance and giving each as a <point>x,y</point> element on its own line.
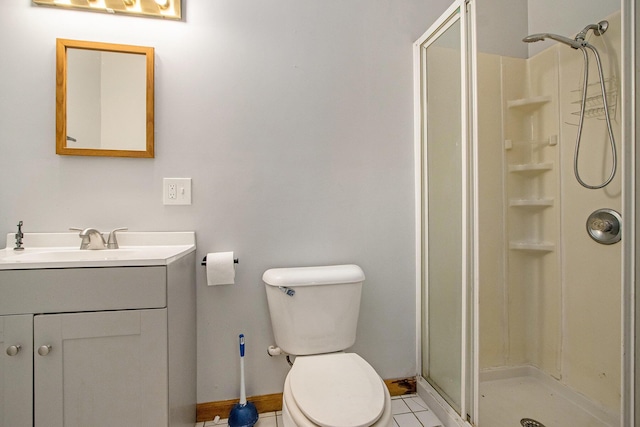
<point>612,141</point>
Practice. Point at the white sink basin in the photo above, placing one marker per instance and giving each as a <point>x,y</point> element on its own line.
<point>52,250</point>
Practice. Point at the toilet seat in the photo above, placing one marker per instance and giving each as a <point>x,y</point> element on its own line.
<point>336,390</point>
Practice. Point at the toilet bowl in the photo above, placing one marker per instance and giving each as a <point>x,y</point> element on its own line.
<point>335,390</point>
<point>314,314</point>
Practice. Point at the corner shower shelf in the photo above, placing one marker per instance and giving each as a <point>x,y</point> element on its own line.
<point>532,203</point>
<point>531,167</point>
<point>541,247</point>
<point>528,103</point>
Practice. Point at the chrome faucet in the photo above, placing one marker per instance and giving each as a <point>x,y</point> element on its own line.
<point>92,239</point>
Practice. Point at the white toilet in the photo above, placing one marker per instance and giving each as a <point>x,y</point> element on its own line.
<point>314,314</point>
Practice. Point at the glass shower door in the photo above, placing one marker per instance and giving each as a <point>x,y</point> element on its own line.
<point>443,211</point>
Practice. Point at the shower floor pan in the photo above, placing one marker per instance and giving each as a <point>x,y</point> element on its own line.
<point>509,395</point>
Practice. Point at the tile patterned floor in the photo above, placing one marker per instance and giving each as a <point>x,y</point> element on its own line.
<point>411,411</point>
<point>408,411</point>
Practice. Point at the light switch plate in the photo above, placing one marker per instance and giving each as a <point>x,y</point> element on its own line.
<point>176,191</point>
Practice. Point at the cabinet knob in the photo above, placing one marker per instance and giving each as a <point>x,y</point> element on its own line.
<point>13,350</point>
<point>44,350</point>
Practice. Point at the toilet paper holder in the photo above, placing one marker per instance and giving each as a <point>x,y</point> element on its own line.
<point>204,261</point>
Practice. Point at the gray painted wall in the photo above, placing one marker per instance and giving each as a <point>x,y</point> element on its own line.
<point>500,26</point>
<point>294,119</point>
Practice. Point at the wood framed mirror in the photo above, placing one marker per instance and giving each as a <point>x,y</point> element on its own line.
<point>104,99</point>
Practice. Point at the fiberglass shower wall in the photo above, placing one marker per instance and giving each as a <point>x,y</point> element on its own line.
<point>549,296</point>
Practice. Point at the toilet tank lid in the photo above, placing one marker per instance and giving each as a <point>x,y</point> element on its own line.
<point>308,276</point>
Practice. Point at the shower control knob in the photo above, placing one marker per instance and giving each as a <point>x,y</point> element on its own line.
<point>44,350</point>
<point>601,225</point>
<point>13,350</point>
<point>605,226</point>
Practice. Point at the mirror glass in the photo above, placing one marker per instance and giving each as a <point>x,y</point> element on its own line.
<point>104,99</point>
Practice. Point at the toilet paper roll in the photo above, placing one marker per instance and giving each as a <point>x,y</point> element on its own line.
<point>220,269</point>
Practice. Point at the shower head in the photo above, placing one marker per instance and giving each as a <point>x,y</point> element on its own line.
<point>578,42</point>
<point>534,38</point>
<point>598,29</point>
<point>542,36</point>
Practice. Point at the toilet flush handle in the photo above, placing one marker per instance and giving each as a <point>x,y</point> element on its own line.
<point>287,291</point>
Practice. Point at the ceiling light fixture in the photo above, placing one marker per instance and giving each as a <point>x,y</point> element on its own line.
<point>168,9</point>
<point>96,3</point>
<point>163,4</point>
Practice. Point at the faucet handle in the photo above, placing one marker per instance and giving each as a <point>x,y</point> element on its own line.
<point>85,238</point>
<point>85,231</point>
<point>113,241</point>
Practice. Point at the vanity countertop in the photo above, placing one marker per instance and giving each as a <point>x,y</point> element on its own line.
<point>61,250</point>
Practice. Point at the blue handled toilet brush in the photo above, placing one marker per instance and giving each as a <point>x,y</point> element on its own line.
<point>243,414</point>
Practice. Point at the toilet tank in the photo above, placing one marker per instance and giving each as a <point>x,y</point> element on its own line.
<point>314,310</point>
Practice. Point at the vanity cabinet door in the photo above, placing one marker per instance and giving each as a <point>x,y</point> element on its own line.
<point>16,371</point>
<point>101,369</point>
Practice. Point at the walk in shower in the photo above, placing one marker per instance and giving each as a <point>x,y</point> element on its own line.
<point>523,174</point>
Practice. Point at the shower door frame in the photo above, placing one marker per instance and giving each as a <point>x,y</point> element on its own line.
<point>630,322</point>
<point>630,209</point>
<point>469,333</point>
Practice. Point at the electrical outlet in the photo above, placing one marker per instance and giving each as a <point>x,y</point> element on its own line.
<point>172,191</point>
<point>176,191</point>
